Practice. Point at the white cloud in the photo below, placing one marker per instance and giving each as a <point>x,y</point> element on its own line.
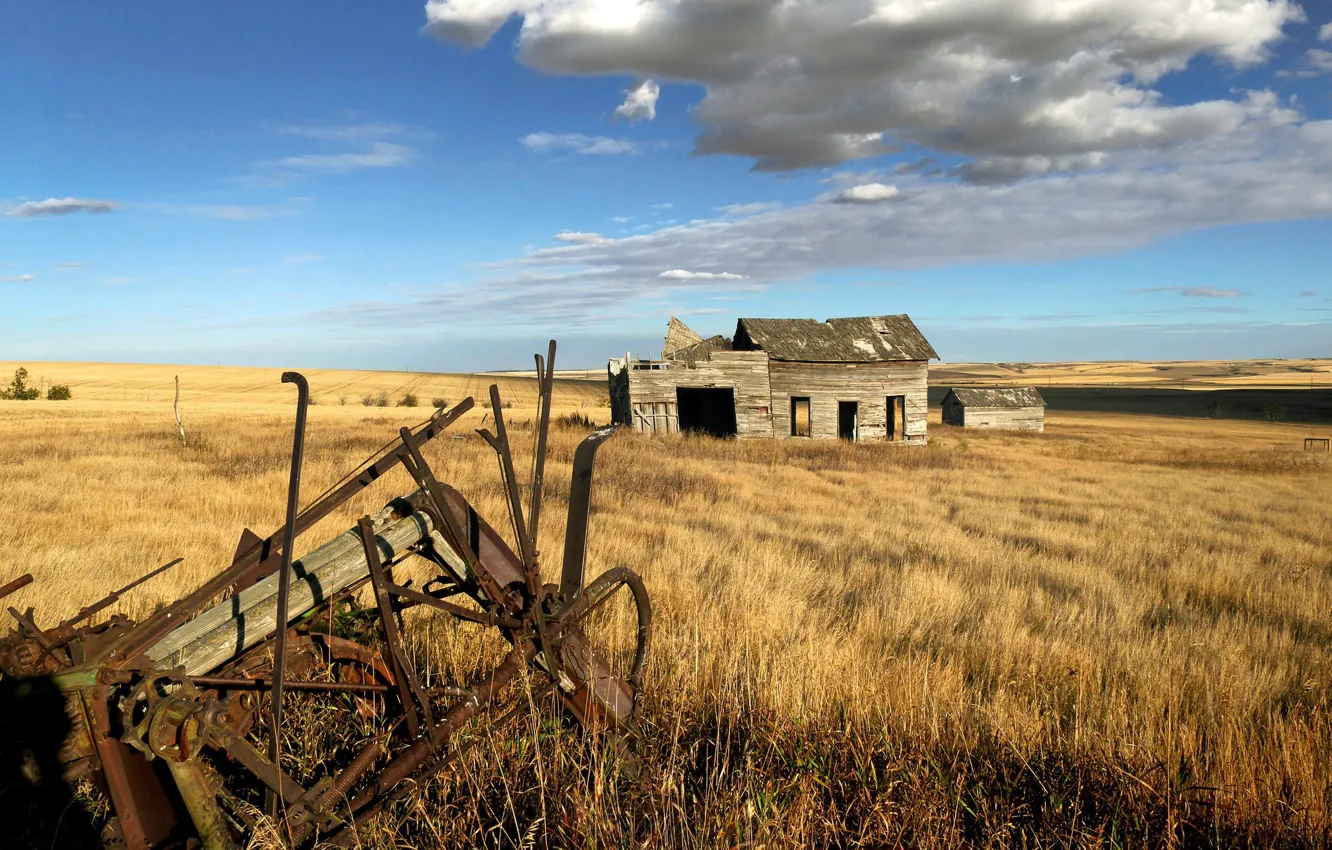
<point>640,102</point>
<point>579,143</point>
<point>1319,60</point>
<point>579,238</point>
<point>302,258</point>
<point>868,193</point>
<point>793,85</point>
<point>345,132</point>
<point>681,274</point>
<point>622,219</point>
<point>1209,292</point>
<point>751,209</point>
<point>20,278</point>
<point>59,206</point>
<point>1325,32</point>
<point>1278,173</point>
<point>380,155</point>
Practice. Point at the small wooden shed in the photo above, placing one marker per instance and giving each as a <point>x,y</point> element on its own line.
<point>1005,409</point>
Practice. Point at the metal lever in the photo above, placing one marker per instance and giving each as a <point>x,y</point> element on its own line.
<point>284,573</point>
<point>580,506</point>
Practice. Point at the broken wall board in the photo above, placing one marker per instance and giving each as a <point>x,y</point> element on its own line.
<point>653,402</point>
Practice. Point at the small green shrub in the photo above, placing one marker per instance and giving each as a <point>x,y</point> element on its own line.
<point>19,389</point>
<point>408,400</point>
<point>58,392</point>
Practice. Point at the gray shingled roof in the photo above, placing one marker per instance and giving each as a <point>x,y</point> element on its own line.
<point>1006,397</point>
<point>859,339</point>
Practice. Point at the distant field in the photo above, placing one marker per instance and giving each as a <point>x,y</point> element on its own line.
<point>132,386</point>
<point>1194,374</point>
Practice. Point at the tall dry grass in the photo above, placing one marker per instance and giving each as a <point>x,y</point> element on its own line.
<point>1112,634</point>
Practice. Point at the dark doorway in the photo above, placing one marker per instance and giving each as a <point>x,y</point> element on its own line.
<point>896,421</point>
<point>711,410</point>
<point>848,425</point>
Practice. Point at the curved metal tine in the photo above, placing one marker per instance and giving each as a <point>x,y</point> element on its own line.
<point>499,441</point>
<point>580,505</point>
<point>284,573</point>
<point>545,392</point>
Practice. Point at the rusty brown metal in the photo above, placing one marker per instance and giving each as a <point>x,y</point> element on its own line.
<point>155,740</point>
<point>17,584</point>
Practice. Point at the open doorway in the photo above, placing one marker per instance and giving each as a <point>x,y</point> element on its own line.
<point>896,420</point>
<point>707,409</point>
<point>800,417</point>
<point>848,420</point>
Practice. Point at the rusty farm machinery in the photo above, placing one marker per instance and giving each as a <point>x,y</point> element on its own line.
<point>177,719</point>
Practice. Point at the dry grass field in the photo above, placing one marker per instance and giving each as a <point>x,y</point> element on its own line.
<point>1193,374</point>
<point>1112,634</point>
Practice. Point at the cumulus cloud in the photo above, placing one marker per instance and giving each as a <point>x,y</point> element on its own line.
<point>579,238</point>
<point>20,278</point>
<point>640,102</point>
<point>59,206</point>
<point>867,193</point>
<point>1319,60</point>
<point>682,274</point>
<point>579,143</point>
<point>1325,33</point>
<point>793,85</point>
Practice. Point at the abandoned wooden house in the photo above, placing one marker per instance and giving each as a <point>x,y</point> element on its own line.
<point>1008,409</point>
<point>860,378</point>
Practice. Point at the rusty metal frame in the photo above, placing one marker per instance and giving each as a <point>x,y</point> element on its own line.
<point>137,714</point>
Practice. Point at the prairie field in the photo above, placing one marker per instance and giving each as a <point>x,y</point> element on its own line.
<point>1115,633</point>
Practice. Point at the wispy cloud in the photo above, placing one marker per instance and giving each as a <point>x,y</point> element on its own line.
<point>579,238</point>
<point>69,266</point>
<point>20,278</point>
<point>302,258</point>
<point>347,132</point>
<point>59,206</point>
<point>580,143</point>
<point>1194,291</point>
<point>683,274</point>
<point>380,155</point>
<point>1308,293</point>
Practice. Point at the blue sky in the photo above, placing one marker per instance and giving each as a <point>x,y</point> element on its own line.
<point>396,185</point>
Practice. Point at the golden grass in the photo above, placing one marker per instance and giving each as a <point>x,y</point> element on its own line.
<point>1311,373</point>
<point>1115,633</point>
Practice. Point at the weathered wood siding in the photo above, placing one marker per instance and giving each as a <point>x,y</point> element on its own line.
<point>1004,418</point>
<point>652,399</point>
<point>617,384</point>
<point>869,384</point>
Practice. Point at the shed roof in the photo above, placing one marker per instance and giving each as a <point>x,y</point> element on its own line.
<point>858,339</point>
<point>1005,397</point>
